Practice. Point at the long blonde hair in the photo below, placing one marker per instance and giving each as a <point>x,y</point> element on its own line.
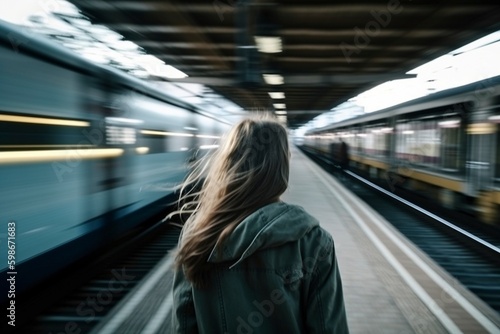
<point>250,169</point>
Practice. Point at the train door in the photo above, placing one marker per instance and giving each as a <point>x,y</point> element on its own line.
<point>479,171</point>
<point>110,176</point>
<point>391,141</point>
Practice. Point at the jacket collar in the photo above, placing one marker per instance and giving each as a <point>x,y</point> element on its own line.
<point>270,226</point>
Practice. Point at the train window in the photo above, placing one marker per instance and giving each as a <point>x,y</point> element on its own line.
<point>156,141</point>
<point>369,146</point>
<point>430,143</point>
<point>377,141</point>
<point>418,143</point>
<point>358,140</point>
<point>23,132</point>
<point>351,141</point>
<point>427,147</point>
<point>405,140</point>
<point>169,141</point>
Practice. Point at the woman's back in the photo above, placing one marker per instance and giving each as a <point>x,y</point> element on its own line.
<point>277,274</point>
<point>249,263</point>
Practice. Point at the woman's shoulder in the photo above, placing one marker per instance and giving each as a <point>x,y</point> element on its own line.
<point>316,231</point>
<point>296,210</point>
<point>319,236</point>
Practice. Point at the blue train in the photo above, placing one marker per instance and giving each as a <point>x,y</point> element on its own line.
<point>87,153</point>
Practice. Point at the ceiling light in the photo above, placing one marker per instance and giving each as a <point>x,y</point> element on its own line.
<point>273,79</point>
<point>277,95</point>
<point>268,44</point>
<point>451,123</point>
<point>280,112</point>
<point>279,105</point>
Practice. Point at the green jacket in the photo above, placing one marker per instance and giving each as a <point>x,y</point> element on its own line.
<point>277,274</point>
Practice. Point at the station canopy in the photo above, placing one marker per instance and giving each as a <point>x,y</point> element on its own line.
<point>296,58</point>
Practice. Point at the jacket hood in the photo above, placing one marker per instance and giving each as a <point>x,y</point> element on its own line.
<point>270,226</point>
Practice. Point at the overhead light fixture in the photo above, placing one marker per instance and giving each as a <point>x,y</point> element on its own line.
<point>277,95</point>
<point>451,123</point>
<point>280,112</point>
<point>279,105</point>
<point>268,44</point>
<point>273,79</point>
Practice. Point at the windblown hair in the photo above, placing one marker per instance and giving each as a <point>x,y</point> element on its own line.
<point>249,170</point>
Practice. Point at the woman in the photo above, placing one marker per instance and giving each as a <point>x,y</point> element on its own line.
<point>247,262</point>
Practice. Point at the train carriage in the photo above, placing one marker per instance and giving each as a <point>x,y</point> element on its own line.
<point>445,145</point>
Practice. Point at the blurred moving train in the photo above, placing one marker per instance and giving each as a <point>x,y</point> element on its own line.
<point>445,146</point>
<point>86,154</point>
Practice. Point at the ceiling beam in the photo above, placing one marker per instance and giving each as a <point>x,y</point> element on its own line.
<point>303,80</point>
<point>149,43</point>
<point>305,112</point>
<point>326,32</point>
<point>339,7</point>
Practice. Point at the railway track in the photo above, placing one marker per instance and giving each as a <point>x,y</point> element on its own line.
<point>469,254</point>
<point>82,309</point>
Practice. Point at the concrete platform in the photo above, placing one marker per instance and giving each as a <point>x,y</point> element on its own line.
<point>389,285</point>
<point>380,292</point>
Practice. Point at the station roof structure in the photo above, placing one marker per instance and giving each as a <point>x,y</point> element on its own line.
<point>325,51</point>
